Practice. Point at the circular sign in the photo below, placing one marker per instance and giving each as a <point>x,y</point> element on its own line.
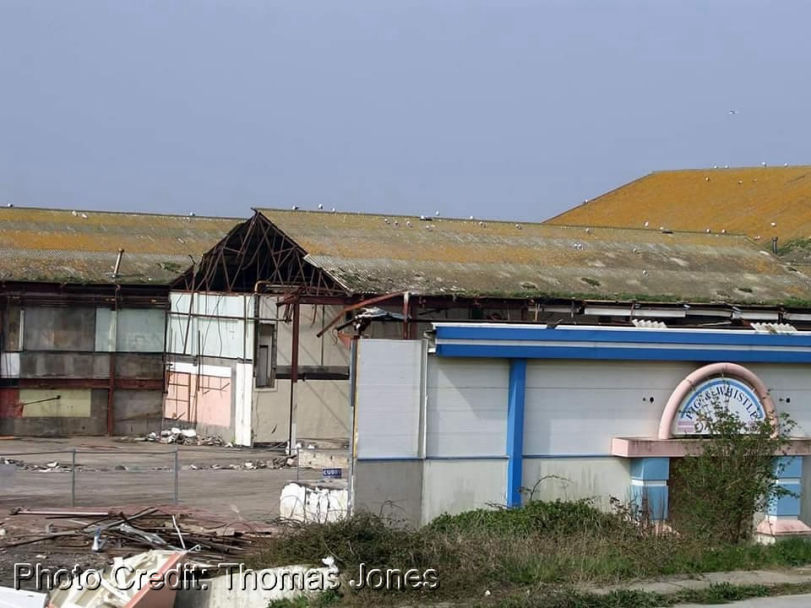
<point>699,405</point>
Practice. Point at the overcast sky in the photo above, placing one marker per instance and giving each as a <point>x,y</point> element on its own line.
<point>499,109</point>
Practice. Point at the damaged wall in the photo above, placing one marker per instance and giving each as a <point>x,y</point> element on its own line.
<point>210,336</point>
<point>56,365</point>
<point>321,400</point>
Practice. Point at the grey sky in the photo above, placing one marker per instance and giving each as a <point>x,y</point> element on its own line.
<point>502,109</point>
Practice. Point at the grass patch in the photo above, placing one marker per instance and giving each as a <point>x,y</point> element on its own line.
<point>556,517</point>
<point>541,546</point>
<point>566,597</point>
<point>721,593</point>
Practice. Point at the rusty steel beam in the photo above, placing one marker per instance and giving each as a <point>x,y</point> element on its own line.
<point>361,304</point>
<point>155,384</point>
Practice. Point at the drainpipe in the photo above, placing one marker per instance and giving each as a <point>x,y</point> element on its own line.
<point>293,377</point>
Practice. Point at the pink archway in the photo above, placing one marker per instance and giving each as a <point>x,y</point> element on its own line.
<point>708,371</point>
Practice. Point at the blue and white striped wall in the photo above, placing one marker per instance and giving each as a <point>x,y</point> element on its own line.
<point>491,410</point>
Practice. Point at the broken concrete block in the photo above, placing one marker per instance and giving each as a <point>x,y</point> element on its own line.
<point>314,501</point>
<point>22,599</point>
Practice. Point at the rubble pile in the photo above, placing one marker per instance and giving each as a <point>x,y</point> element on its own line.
<point>181,437</point>
<point>116,533</point>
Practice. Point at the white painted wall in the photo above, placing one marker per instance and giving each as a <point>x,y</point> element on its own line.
<point>9,365</point>
<point>466,411</point>
<point>454,486</point>
<point>243,385</point>
<point>388,398</point>
<point>217,326</point>
<point>576,478</point>
<point>573,409</point>
<point>577,407</point>
<point>790,389</point>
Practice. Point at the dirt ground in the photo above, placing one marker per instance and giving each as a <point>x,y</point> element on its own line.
<point>117,474</point>
<point>144,476</point>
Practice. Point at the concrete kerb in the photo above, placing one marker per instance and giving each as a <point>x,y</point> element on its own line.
<point>674,584</point>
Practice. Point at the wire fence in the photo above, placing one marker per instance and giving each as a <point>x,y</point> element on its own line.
<point>15,484</point>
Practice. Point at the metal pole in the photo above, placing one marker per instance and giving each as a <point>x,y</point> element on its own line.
<point>73,479</point>
<point>177,473</point>
<point>298,453</point>
<point>291,435</point>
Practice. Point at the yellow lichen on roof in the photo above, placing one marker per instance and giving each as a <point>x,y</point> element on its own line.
<point>370,253</point>
<point>761,202</point>
<point>55,245</point>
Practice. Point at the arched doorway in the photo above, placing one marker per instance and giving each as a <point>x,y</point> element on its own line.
<point>680,433</point>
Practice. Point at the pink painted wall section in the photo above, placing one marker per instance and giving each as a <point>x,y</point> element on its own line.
<point>198,399</point>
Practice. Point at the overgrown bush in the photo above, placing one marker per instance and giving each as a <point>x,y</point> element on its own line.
<point>536,517</point>
<point>730,478</point>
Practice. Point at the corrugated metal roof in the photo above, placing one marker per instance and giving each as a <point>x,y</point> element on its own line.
<point>744,201</point>
<point>378,254</point>
<point>63,246</point>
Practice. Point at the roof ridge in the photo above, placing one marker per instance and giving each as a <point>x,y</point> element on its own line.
<point>482,219</point>
<point>118,212</point>
<point>730,168</point>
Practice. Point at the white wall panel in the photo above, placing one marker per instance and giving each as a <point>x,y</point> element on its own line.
<point>9,365</point>
<point>453,486</point>
<point>243,385</point>
<point>790,388</point>
<point>467,407</point>
<point>387,405</point>
<point>577,407</point>
<point>217,327</point>
<point>576,478</point>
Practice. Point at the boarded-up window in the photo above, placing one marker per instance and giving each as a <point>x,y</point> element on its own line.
<point>70,329</point>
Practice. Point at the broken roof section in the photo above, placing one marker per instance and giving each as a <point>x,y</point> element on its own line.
<point>81,247</point>
<point>375,254</point>
<point>761,202</point>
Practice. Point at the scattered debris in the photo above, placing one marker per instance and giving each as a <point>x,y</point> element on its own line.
<point>278,462</point>
<point>116,533</point>
<point>181,437</point>
<point>51,467</point>
<point>126,584</point>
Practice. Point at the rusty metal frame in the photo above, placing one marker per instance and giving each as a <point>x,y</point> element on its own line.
<point>256,253</point>
<point>361,304</point>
